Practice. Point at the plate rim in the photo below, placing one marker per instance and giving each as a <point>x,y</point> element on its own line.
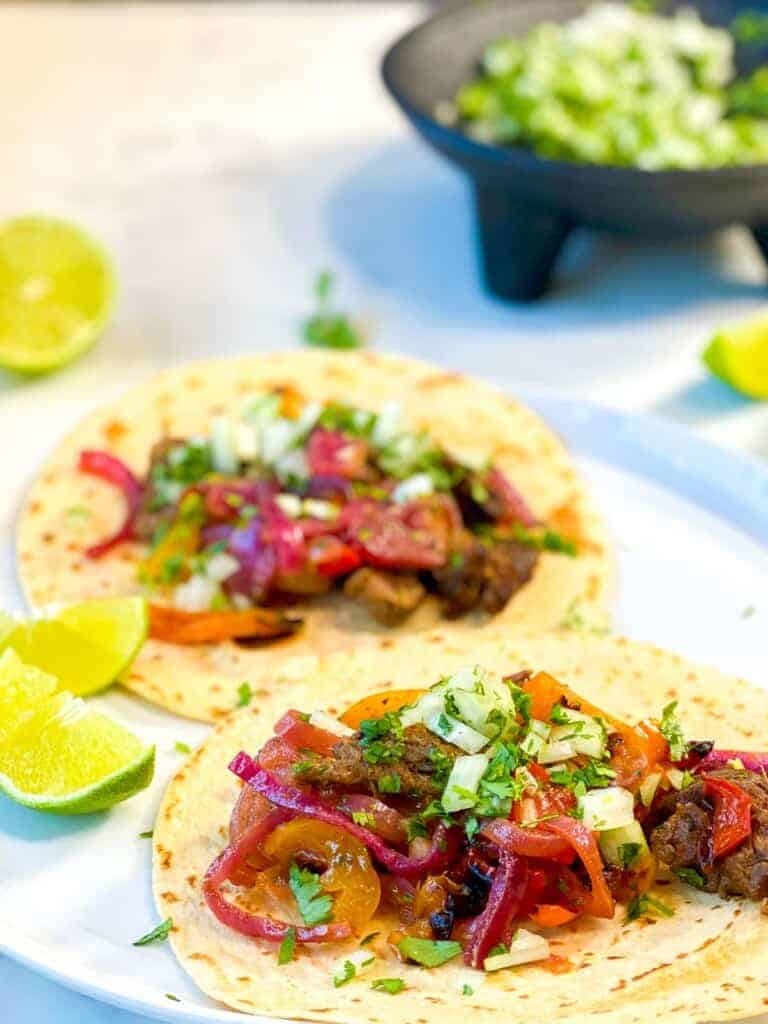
<point>672,455</point>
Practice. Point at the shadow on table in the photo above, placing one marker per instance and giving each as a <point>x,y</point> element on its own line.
<point>32,826</point>
<point>404,220</point>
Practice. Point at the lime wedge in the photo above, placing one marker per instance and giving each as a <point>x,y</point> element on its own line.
<point>56,291</point>
<point>86,646</point>
<point>738,355</point>
<point>57,755</point>
<point>22,688</point>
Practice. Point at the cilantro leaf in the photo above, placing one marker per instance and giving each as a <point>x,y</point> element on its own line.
<point>182,748</point>
<point>158,934</point>
<point>647,906</point>
<point>326,329</point>
<point>244,695</point>
<point>287,949</point>
<point>369,938</point>
<point>628,853</point>
<point>429,952</point>
<point>389,783</point>
<point>391,985</point>
<point>691,876</point>
<point>467,990</point>
<point>672,732</point>
<point>147,835</point>
<point>498,950</point>
<point>314,904</point>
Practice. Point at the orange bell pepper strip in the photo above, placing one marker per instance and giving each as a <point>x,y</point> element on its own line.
<point>379,704</point>
<point>636,750</point>
<point>190,628</point>
<point>552,915</point>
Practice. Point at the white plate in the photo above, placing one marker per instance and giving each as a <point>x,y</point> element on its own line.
<point>691,528</point>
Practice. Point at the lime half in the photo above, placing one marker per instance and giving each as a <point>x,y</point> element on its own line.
<point>86,646</point>
<point>738,355</point>
<point>56,291</point>
<point>56,754</point>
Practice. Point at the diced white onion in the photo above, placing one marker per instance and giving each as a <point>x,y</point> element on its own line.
<point>292,464</point>
<point>417,486</point>
<point>196,594</point>
<point>461,788</point>
<point>246,441</point>
<point>317,509</point>
<point>536,738</point>
<point>525,948</point>
<point>276,438</point>
<point>241,602</point>
<point>611,841</point>
<point>221,566</point>
<point>609,808</point>
<point>389,423</point>
<point>648,788</point>
<point>455,732</point>
<point>584,732</point>
<point>323,720</point>
<point>560,751</point>
<point>223,446</point>
<point>675,777</point>
<point>290,504</point>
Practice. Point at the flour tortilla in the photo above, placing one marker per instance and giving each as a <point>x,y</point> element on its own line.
<point>707,963</point>
<point>467,417</point>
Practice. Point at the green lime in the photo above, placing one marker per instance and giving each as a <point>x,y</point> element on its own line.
<point>87,645</point>
<point>56,292</point>
<point>738,355</point>
<point>66,759</point>
<point>22,687</point>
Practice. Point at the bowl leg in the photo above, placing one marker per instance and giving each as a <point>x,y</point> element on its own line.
<point>519,243</point>
<point>760,235</point>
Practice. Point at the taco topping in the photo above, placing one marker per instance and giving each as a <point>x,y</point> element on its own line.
<point>480,813</point>
<point>292,500</point>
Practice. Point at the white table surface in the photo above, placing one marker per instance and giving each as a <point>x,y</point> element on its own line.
<point>227,152</point>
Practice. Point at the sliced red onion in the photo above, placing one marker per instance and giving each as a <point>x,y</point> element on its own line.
<point>110,468</point>
<point>753,760</point>
<point>504,899</point>
<point>229,863</point>
<point>445,842</point>
<point>257,558</point>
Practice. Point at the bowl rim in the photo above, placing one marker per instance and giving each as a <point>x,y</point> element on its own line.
<point>520,158</point>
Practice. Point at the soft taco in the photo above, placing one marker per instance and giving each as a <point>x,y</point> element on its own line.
<point>549,828</point>
<point>294,503</point>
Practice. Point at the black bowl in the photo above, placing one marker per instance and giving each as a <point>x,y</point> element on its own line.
<point>526,205</point>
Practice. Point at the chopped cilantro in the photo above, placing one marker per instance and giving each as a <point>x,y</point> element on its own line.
<point>349,971</point>
<point>326,329</point>
<point>391,985</point>
<point>748,612</point>
<point>147,835</point>
<point>647,906</point>
<point>672,732</point>
<point>456,560</point>
<point>171,569</point>
<point>287,949</point>
<point>498,950</point>
<point>158,934</point>
<point>382,739</point>
<point>364,818</point>
<point>499,788</point>
<point>592,775</point>
<point>390,783</point>
<point>172,997</point>
<point>545,540</point>
<point>244,695</point>
<point>182,748</point>
<point>369,938</point>
<point>691,876</point>
<point>314,904</point>
<point>467,990</point>
<point>522,701</point>
<point>471,826</point>
<point>78,512</point>
<point>442,765</point>
<point>628,853</point>
<point>428,952</point>
<point>349,420</point>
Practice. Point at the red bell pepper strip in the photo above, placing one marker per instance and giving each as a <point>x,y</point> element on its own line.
<point>732,822</point>
<point>527,842</point>
<point>114,471</point>
<point>584,843</point>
